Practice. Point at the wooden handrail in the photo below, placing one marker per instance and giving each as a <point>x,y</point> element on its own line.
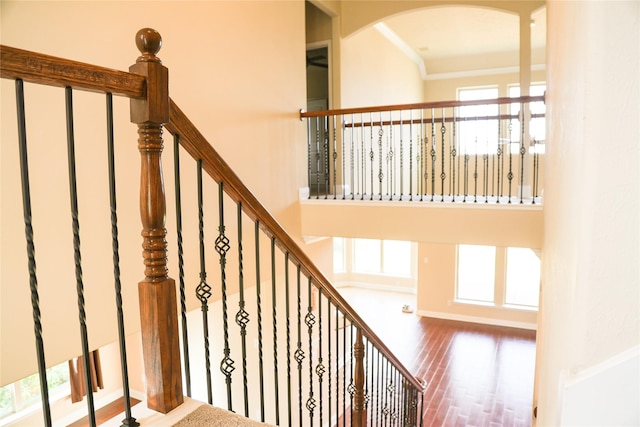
<point>199,148</point>
<point>421,106</point>
<point>53,71</point>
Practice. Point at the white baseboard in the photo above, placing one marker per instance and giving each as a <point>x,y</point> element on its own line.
<point>476,319</point>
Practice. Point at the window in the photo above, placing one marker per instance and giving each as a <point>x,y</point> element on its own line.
<point>339,261</point>
<point>476,273</point>
<point>523,277</point>
<point>392,257</point>
<point>536,125</point>
<point>505,277</point>
<point>22,394</point>
<point>478,136</point>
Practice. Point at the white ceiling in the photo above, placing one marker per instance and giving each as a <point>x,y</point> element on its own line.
<point>441,33</point>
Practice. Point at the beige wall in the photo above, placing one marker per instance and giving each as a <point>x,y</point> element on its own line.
<point>374,72</point>
<point>590,279</point>
<point>243,90</point>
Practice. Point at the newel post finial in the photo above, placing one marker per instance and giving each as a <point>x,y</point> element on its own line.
<point>149,43</point>
<point>157,291</point>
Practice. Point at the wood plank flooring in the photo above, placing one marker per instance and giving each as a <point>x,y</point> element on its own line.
<point>477,375</point>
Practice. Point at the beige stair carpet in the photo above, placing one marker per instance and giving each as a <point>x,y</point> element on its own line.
<point>210,416</point>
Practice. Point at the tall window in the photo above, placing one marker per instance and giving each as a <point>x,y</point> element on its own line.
<point>501,276</point>
<point>478,136</point>
<point>523,277</point>
<point>392,257</point>
<point>476,273</point>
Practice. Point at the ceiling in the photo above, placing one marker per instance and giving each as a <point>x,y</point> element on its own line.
<point>439,35</point>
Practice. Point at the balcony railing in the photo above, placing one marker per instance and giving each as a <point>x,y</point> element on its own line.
<point>484,151</point>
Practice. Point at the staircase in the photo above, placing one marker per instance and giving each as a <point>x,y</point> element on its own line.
<point>240,317</point>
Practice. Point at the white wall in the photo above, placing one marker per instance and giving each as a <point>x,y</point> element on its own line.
<point>590,305</point>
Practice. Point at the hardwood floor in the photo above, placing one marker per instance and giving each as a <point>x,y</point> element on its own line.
<point>477,375</point>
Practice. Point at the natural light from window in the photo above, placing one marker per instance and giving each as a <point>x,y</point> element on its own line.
<point>476,273</point>
<point>523,277</point>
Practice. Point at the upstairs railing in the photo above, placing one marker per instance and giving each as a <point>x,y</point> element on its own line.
<point>483,151</point>
<point>292,351</point>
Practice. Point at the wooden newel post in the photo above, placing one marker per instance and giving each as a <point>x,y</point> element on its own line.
<point>359,410</point>
<point>157,292</point>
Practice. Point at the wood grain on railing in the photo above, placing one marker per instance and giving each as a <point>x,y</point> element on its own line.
<point>422,106</point>
<point>53,71</point>
<point>199,148</point>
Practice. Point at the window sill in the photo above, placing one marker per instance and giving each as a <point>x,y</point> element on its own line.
<point>510,307</point>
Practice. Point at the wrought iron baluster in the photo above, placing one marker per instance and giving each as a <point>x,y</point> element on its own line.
<point>128,421</point>
<point>390,154</point>
<point>274,314</point>
<point>523,150</point>
<point>454,153</point>
<point>380,174</point>
<point>222,247</point>
<point>411,155</point>
<point>325,156</point>
<point>28,229</point>
<point>242,317</point>
<point>536,162</point>
<point>424,172</point>
<point>401,155</point>
<point>443,175</point>
<point>433,153</point>
<point>317,157</point>
<point>475,170</point>
<point>351,388</point>
<point>183,298</point>
<point>371,155</point>
<point>497,163</point>
<point>73,194</point>
<point>379,380</point>
<point>338,364</point>
<point>335,158</point>
<point>329,359</point>
<point>299,353</point>
<point>203,290</point>
<point>344,370</point>
<point>320,368</point>
<point>352,186</point>
<point>510,174</point>
<point>259,307</point>
<point>287,314</point>
<point>310,320</point>
<point>343,177</point>
<point>485,170</point>
<point>309,177</point>
<point>421,408</point>
<point>386,408</point>
<point>363,171</point>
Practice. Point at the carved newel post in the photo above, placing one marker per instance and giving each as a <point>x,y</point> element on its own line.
<point>157,292</point>
<point>359,410</point>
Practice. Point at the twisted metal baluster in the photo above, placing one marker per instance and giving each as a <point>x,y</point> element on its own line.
<point>325,157</point>
<point>335,158</point>
<point>203,290</point>
<point>129,421</point>
<point>454,153</point>
<point>320,368</point>
<point>309,154</point>
<point>385,410</point>
<point>310,320</point>
<point>242,317</point>
<point>259,306</point>
<point>363,176</point>
<point>351,388</point>
<point>287,313</point>
<point>73,193</point>
<point>433,153</point>
<point>299,353</point>
<point>499,158</point>
<point>318,157</point>
<point>510,174</point>
<point>275,329</point>
<point>401,156</point>
<point>183,303</point>
<point>380,174</point>
<point>390,144</point>
<point>28,230</point>
<point>329,356</point>
<point>411,155</point>
<point>424,173</point>
<point>222,247</point>
<point>523,150</point>
<point>443,175</point>
<point>351,159</point>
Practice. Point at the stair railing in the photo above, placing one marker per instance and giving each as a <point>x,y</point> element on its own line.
<point>481,151</point>
<point>344,371</point>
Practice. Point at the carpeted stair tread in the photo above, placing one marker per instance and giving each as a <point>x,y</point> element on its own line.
<point>210,416</point>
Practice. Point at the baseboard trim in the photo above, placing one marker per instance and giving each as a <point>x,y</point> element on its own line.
<point>476,319</point>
